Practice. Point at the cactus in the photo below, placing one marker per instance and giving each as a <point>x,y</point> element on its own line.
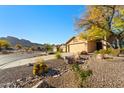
<point>35,69</point>
<point>40,67</point>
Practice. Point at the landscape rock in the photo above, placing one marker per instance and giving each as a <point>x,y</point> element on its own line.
<point>41,84</point>
<point>57,75</point>
<point>19,80</point>
<point>30,64</point>
<point>10,85</point>
<point>29,78</point>
<point>99,56</point>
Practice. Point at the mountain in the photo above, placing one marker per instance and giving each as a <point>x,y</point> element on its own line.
<point>13,41</point>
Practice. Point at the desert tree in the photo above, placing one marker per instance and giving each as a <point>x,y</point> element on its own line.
<point>101,22</point>
<point>18,46</point>
<point>4,44</point>
<point>48,47</point>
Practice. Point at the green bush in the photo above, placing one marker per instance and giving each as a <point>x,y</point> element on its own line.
<point>107,51</point>
<point>58,55</point>
<point>83,74</point>
<point>75,67</point>
<point>114,52</point>
<point>122,50</point>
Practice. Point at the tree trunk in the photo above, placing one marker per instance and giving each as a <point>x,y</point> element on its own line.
<point>118,43</point>
<point>108,44</point>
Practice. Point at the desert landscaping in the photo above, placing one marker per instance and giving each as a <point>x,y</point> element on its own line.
<point>91,58</point>
<point>72,72</point>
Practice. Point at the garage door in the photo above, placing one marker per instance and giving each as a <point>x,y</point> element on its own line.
<point>75,48</point>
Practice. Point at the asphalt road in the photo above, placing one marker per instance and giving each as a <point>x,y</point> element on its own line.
<point>4,59</point>
<point>13,60</point>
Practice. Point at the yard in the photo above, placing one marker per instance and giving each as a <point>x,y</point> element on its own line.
<point>106,73</point>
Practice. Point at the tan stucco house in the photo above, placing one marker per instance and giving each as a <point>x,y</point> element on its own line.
<point>77,45</point>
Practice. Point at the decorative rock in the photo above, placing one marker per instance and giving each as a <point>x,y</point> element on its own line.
<point>100,56</point>
<point>29,64</point>
<point>69,59</point>
<point>57,75</point>
<point>10,85</point>
<point>41,84</point>
<point>29,78</point>
<point>19,80</point>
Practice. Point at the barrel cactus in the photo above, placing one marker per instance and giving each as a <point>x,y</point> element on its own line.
<point>40,68</point>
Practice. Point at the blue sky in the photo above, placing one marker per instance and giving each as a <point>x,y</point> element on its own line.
<point>40,24</point>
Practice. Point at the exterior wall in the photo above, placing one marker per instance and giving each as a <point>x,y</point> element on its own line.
<point>91,46</point>
<point>54,49</point>
<point>77,48</point>
<point>77,45</point>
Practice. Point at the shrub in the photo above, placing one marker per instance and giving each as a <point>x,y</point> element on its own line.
<point>114,52</point>
<point>96,52</point>
<point>122,50</point>
<point>58,55</point>
<point>18,46</point>
<point>75,67</point>
<point>84,53</point>
<point>83,74</point>
<point>32,48</point>
<point>107,51</point>
<point>39,67</point>
<point>4,44</point>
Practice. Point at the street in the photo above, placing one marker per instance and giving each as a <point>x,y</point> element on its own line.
<point>13,60</point>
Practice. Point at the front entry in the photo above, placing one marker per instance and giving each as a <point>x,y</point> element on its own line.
<point>99,45</point>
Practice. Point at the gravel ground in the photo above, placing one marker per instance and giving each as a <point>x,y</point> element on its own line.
<point>106,74</point>
<point>12,74</point>
<point>66,79</point>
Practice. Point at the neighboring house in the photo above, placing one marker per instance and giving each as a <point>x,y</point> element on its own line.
<point>54,49</point>
<point>77,45</point>
<point>63,48</point>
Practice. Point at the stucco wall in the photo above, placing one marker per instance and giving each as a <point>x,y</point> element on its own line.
<point>77,45</point>
<point>77,48</point>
